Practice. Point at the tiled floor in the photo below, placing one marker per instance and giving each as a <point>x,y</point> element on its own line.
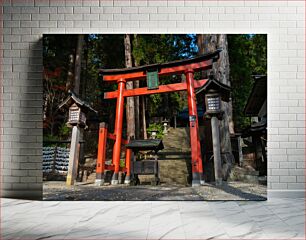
<point>272,219</point>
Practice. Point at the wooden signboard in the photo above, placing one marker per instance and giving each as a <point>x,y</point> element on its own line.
<point>152,79</point>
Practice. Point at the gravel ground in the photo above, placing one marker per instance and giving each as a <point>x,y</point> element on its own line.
<point>89,192</point>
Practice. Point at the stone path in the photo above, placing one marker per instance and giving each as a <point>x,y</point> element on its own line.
<point>89,192</point>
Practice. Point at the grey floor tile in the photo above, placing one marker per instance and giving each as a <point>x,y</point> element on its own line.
<point>273,219</point>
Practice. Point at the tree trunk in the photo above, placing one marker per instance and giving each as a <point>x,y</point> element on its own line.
<point>136,99</point>
<point>143,114</point>
<point>76,89</point>
<point>78,65</point>
<point>202,49</point>
<point>137,112</point>
<point>69,83</point>
<point>201,44</point>
<point>223,75</point>
<point>130,106</point>
<point>223,62</point>
<point>85,63</point>
<point>221,72</point>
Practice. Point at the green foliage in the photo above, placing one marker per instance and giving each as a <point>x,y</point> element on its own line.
<point>154,105</point>
<point>49,137</point>
<point>55,60</point>
<point>122,163</point>
<point>260,54</point>
<point>64,131</point>
<point>161,48</point>
<point>52,138</point>
<point>247,56</point>
<point>56,50</point>
<point>157,127</point>
<point>103,52</point>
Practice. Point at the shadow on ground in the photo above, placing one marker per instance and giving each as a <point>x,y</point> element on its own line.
<point>90,192</point>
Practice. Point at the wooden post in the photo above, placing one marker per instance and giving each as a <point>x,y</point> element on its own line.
<point>118,130</point>
<point>73,156</point>
<point>128,155</point>
<point>137,112</point>
<point>81,152</point>
<point>216,149</point>
<point>240,143</point>
<point>101,154</point>
<point>84,175</point>
<point>143,114</point>
<point>196,158</point>
<point>54,160</point>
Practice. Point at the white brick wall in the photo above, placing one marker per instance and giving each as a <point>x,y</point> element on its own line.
<point>24,22</point>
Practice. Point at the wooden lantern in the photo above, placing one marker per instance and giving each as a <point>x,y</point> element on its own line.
<point>76,116</point>
<point>213,102</point>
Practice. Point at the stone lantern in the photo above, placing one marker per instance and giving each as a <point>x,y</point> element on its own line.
<point>165,125</point>
<point>153,133</point>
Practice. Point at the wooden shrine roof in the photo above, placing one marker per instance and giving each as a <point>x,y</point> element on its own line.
<point>257,97</point>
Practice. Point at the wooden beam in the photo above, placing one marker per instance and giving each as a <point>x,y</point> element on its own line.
<point>162,89</point>
<point>164,71</point>
<point>112,168</point>
<point>113,137</point>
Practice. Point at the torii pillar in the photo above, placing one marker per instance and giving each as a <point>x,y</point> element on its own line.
<point>118,129</point>
<point>196,157</point>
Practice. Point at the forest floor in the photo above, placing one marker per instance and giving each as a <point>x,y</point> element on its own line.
<point>56,190</point>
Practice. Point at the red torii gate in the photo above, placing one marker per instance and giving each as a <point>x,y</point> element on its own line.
<point>121,76</point>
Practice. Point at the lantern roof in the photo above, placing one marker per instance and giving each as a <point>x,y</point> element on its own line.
<point>73,98</point>
<point>214,85</point>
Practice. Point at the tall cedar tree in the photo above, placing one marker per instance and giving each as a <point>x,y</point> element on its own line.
<point>210,43</point>
<point>130,105</point>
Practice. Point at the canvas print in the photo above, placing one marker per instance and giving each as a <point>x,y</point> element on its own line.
<point>137,117</point>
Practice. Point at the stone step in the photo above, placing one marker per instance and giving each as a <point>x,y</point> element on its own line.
<point>91,178</point>
<point>146,178</point>
<point>175,156</point>
<point>178,171</point>
<point>174,171</point>
<point>182,157</point>
<point>181,181</point>
<point>243,174</point>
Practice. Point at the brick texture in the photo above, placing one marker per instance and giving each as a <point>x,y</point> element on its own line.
<point>24,22</point>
